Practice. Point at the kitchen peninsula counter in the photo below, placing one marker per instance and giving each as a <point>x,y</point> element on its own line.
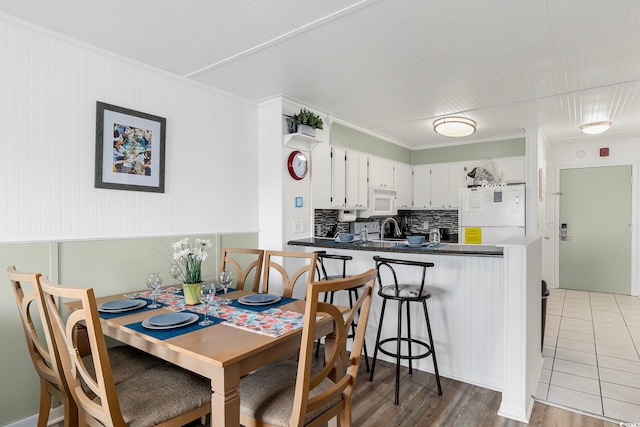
<point>485,309</point>
<point>401,247</point>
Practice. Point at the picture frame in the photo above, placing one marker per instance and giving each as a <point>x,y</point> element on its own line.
<point>130,149</point>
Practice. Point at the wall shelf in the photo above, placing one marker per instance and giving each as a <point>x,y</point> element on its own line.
<point>301,141</point>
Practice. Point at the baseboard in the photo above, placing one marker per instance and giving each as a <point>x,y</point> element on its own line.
<point>55,416</point>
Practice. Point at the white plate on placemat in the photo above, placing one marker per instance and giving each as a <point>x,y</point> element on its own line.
<point>173,321</point>
<point>259,299</point>
<point>122,305</point>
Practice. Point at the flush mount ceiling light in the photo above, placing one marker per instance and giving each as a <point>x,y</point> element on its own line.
<point>595,128</point>
<point>454,126</point>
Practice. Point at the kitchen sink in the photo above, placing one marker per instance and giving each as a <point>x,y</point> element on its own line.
<point>379,243</point>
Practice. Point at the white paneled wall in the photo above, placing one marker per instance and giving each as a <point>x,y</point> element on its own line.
<point>466,311</point>
<point>48,92</point>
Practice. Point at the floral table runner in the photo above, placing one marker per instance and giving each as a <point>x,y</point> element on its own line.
<point>266,320</point>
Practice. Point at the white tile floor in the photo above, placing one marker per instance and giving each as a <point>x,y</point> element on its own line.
<point>592,354</point>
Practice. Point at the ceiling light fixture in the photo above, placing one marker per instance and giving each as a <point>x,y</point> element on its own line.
<point>454,126</point>
<point>595,128</point>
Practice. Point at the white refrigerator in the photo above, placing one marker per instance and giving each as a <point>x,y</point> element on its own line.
<point>489,215</point>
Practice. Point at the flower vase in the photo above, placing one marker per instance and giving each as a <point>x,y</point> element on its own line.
<point>190,291</point>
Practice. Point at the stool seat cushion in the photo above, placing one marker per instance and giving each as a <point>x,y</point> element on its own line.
<point>404,291</point>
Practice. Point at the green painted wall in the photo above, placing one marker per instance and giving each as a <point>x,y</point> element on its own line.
<point>344,136</point>
<point>109,266</point>
<point>459,153</point>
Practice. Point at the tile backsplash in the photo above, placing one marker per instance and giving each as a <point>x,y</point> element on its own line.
<point>327,223</point>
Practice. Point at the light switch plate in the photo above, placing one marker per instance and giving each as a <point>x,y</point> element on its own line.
<point>296,226</point>
<point>304,226</point>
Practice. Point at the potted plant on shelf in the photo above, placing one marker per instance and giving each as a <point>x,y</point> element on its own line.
<point>307,122</point>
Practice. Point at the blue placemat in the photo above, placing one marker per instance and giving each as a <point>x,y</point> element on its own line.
<point>258,308</point>
<point>163,334</point>
<point>104,315</point>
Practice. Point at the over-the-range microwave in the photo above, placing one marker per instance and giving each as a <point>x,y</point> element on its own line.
<point>382,202</point>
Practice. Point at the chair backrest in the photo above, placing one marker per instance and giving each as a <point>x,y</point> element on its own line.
<point>389,263</point>
<point>321,268</point>
<point>227,262</point>
<point>341,367</point>
<point>103,404</point>
<point>49,371</point>
<point>288,281</point>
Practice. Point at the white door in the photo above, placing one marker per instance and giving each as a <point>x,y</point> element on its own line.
<point>595,206</point>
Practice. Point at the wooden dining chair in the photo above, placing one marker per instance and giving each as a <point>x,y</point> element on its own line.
<point>228,262</point>
<point>289,282</point>
<point>165,395</point>
<point>289,393</point>
<point>126,361</point>
<point>49,372</point>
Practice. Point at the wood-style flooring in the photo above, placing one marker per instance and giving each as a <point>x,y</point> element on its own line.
<point>461,404</point>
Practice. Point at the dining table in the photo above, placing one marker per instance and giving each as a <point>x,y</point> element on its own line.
<point>242,339</point>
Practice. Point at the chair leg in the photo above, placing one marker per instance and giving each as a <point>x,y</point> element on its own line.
<point>409,338</point>
<point>45,405</point>
<point>398,348</point>
<point>375,351</point>
<point>433,350</point>
<point>354,324</point>
<point>318,340</point>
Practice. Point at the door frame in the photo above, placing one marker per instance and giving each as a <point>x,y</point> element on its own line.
<point>634,291</point>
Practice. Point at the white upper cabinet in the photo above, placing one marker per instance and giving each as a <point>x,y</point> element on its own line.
<point>456,179</point>
<point>421,187</point>
<point>338,178</point>
<point>321,179</point>
<point>356,180</point>
<point>439,186</point>
<point>404,185</point>
<point>512,169</point>
<point>381,172</point>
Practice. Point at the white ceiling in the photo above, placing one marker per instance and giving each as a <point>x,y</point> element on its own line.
<point>392,66</point>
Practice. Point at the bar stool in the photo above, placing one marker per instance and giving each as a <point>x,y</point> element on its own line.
<point>353,292</point>
<point>403,293</point>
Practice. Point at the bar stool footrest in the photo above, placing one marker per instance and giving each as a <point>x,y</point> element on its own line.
<point>423,344</point>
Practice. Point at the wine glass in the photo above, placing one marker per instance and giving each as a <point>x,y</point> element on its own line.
<point>224,279</point>
<point>206,293</point>
<point>154,280</point>
<point>174,271</point>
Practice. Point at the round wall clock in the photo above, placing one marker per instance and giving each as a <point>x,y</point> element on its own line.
<point>297,165</point>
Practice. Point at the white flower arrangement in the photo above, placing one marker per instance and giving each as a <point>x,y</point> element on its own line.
<point>189,258</point>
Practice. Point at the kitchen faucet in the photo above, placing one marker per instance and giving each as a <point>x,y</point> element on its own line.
<point>385,223</point>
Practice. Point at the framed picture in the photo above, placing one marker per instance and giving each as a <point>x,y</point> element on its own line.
<point>129,149</point>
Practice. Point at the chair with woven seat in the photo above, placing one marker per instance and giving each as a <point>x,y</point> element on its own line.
<point>126,361</point>
<point>321,269</point>
<point>289,393</point>
<point>164,395</point>
<point>233,263</point>
<point>51,385</point>
<point>288,282</point>
<point>403,294</point>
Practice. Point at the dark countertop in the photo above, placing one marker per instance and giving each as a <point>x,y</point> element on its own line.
<point>401,247</point>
